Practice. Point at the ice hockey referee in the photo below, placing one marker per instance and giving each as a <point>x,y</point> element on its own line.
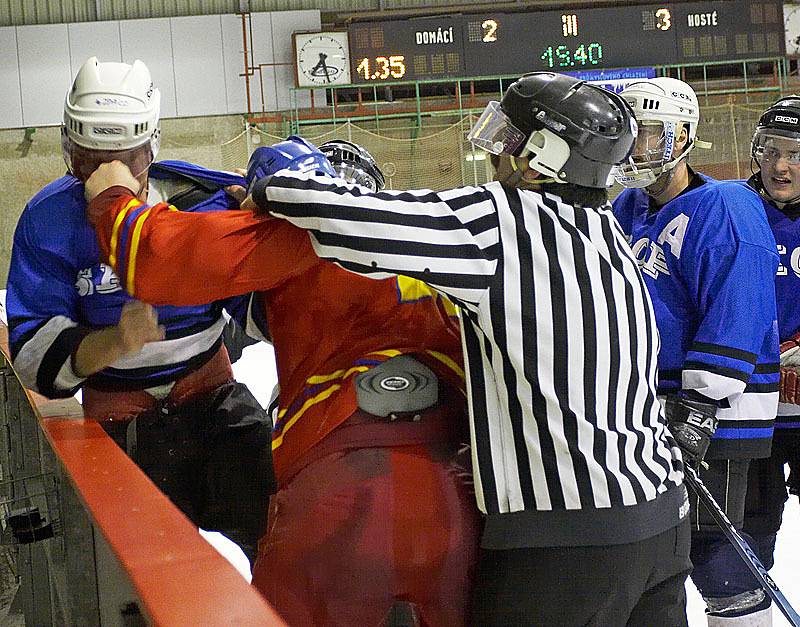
<point>580,480</point>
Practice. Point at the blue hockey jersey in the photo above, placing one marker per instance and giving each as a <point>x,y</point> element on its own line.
<point>787,288</point>
<point>59,291</point>
<point>708,258</point>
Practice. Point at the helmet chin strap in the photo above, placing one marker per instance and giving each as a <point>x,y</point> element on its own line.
<point>667,172</point>
<point>661,184</point>
<point>517,177</point>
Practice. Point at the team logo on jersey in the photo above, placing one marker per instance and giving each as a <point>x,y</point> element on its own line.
<point>98,279</point>
<point>651,255</point>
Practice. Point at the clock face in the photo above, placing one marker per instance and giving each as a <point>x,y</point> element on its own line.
<point>322,59</point>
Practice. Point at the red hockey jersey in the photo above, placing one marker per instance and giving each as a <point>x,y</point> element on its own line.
<point>327,324</point>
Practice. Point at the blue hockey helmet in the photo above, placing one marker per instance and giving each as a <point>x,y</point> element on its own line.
<point>294,153</point>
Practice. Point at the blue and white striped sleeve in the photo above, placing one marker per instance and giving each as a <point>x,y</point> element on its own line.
<point>736,298</point>
<point>41,306</point>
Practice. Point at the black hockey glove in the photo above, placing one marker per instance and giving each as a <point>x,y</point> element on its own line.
<point>692,424</point>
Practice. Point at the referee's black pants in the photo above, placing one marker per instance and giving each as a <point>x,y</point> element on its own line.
<point>636,584</point>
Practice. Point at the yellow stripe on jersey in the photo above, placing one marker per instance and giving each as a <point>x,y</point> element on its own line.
<point>309,403</point>
<point>448,362</point>
<point>343,374</point>
<point>387,353</point>
<point>339,374</point>
<point>134,249</point>
<point>112,257</point>
<point>413,289</point>
<point>324,378</point>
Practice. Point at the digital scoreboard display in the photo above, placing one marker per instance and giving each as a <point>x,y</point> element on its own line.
<point>492,44</point>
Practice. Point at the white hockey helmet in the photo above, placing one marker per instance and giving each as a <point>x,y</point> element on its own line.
<point>663,106</point>
<point>111,109</point>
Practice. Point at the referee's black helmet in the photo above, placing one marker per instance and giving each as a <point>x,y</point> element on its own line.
<point>598,125</point>
<point>571,130</point>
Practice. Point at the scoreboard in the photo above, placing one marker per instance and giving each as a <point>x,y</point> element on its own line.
<point>490,44</point>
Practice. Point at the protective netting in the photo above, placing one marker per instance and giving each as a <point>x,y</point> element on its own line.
<point>729,128</point>
<point>441,158</point>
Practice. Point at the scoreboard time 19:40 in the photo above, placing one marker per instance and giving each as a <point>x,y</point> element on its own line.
<point>505,44</point>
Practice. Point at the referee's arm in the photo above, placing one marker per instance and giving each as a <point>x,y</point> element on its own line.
<point>448,239</point>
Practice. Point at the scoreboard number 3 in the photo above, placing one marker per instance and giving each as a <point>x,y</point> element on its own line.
<point>664,19</point>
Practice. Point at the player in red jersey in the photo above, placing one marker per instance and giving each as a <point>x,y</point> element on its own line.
<point>374,515</point>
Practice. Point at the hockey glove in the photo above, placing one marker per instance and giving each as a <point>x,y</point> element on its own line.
<point>692,424</point>
<point>789,390</point>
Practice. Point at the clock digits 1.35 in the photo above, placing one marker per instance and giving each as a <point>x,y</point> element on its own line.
<point>381,68</point>
<point>474,45</point>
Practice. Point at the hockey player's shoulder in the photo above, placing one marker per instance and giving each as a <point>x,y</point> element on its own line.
<point>729,195</point>
<point>740,207</point>
<point>64,192</point>
<point>59,206</point>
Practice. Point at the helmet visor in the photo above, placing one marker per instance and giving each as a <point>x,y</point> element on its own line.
<point>772,145</point>
<point>653,150</point>
<point>81,161</point>
<point>654,144</point>
<point>495,133</point>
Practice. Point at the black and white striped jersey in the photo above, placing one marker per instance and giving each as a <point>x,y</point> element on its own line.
<point>568,440</point>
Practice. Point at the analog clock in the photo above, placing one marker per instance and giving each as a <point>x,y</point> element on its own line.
<point>321,59</point>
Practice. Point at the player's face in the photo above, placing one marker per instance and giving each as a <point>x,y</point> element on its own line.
<point>779,158</point>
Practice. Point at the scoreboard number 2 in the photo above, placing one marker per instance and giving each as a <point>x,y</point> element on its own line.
<point>489,30</point>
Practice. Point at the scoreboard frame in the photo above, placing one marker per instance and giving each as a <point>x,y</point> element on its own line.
<point>506,44</point>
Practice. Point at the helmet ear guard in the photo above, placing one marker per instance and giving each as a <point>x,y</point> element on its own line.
<point>547,153</point>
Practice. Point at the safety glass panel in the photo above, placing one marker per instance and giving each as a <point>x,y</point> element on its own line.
<point>772,146</point>
<point>494,132</point>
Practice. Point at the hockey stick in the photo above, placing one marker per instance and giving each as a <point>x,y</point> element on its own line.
<point>742,548</point>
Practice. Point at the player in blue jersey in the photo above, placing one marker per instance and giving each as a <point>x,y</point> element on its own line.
<point>775,152</point>
<point>158,379</point>
<point>708,258</point>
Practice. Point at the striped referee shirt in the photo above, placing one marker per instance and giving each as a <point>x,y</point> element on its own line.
<point>569,444</point>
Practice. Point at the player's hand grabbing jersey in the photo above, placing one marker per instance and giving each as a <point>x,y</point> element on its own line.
<point>327,325</point>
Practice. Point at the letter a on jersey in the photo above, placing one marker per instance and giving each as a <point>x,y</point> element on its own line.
<point>673,234</point>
